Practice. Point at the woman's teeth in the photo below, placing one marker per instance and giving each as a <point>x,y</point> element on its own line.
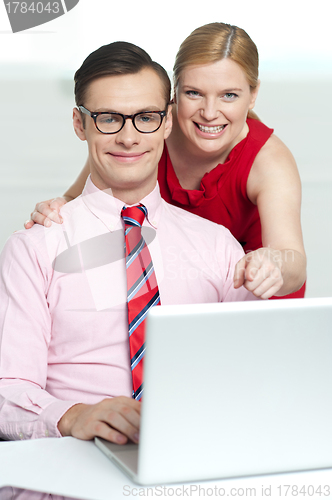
<point>211,130</point>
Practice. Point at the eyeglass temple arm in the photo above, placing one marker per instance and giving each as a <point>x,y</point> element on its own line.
<point>84,110</point>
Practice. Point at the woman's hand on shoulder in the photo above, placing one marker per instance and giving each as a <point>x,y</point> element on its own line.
<point>46,212</point>
<point>260,272</point>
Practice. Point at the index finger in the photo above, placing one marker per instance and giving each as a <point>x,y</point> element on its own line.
<point>239,272</point>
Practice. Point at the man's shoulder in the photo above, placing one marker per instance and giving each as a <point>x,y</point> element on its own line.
<point>70,208</point>
<point>41,240</point>
<point>199,229</point>
<point>184,217</point>
<point>74,215</point>
<point>33,236</point>
<point>25,246</point>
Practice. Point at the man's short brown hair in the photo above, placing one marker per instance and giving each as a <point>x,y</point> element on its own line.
<point>117,58</point>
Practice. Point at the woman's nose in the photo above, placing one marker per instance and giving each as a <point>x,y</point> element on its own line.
<point>210,109</point>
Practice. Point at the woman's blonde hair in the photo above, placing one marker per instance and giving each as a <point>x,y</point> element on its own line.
<point>215,41</point>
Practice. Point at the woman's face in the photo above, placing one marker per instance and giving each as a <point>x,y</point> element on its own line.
<point>212,105</point>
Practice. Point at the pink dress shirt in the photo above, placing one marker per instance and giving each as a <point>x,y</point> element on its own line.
<point>63,318</point>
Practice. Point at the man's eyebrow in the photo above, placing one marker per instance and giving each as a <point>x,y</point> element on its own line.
<point>141,110</point>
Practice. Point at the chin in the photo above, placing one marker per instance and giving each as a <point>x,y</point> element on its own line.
<point>211,146</point>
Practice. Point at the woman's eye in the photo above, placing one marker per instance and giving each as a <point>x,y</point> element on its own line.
<point>230,96</point>
<point>192,93</point>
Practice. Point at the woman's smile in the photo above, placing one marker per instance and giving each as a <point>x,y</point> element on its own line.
<point>213,101</point>
<point>210,131</point>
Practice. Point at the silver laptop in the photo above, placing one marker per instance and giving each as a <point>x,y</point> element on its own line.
<point>233,389</point>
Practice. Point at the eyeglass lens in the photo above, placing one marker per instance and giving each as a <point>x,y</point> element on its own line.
<point>144,122</point>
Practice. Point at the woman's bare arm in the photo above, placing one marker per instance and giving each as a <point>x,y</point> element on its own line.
<point>274,185</point>
<point>77,188</point>
<point>47,211</point>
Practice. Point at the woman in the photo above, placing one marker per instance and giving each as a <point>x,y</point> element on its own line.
<point>222,163</point>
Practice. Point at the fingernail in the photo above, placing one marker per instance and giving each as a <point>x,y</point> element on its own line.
<point>120,439</point>
<point>53,215</point>
<point>47,223</point>
<point>136,437</point>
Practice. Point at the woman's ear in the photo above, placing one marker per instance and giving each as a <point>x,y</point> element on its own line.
<point>169,122</point>
<point>254,94</point>
<point>78,124</point>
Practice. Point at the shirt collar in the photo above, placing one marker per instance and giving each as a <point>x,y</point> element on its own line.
<point>108,208</point>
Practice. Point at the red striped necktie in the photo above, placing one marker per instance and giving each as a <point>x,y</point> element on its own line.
<point>142,290</point>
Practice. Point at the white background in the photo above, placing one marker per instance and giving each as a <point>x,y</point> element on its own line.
<point>290,34</point>
<point>40,155</point>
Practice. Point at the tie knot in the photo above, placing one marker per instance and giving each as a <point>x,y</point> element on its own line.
<point>134,216</point>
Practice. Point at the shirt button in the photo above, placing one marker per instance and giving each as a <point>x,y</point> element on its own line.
<point>154,222</point>
<point>47,433</point>
<point>21,435</point>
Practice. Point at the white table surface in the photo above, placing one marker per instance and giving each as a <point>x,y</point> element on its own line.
<point>75,468</point>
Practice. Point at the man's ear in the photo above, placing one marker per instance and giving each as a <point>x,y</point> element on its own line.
<point>78,124</point>
<point>169,122</point>
<point>254,94</point>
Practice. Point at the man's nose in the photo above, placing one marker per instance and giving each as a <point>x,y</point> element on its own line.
<point>128,135</point>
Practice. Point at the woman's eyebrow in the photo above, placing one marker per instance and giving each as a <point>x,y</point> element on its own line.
<point>231,89</point>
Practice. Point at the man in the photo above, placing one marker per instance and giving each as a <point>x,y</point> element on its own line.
<point>65,362</point>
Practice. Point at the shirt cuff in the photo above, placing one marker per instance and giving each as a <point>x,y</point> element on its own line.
<point>47,425</point>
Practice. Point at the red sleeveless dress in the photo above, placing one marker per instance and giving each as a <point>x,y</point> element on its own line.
<point>222,197</point>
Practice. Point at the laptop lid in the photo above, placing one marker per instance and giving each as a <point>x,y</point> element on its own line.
<point>236,389</point>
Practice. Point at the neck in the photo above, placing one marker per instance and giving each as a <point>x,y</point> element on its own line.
<point>127,196</point>
<point>130,192</point>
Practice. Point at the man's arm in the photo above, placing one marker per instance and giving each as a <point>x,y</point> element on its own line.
<point>27,410</point>
<point>229,253</point>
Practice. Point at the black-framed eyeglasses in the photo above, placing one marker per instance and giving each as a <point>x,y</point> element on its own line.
<point>145,122</point>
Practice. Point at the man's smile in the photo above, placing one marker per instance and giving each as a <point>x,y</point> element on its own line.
<point>127,157</point>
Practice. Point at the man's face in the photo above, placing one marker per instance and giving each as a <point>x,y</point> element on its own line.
<point>126,162</point>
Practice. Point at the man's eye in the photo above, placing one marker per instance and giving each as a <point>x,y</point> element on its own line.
<point>147,118</point>
<point>106,119</point>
